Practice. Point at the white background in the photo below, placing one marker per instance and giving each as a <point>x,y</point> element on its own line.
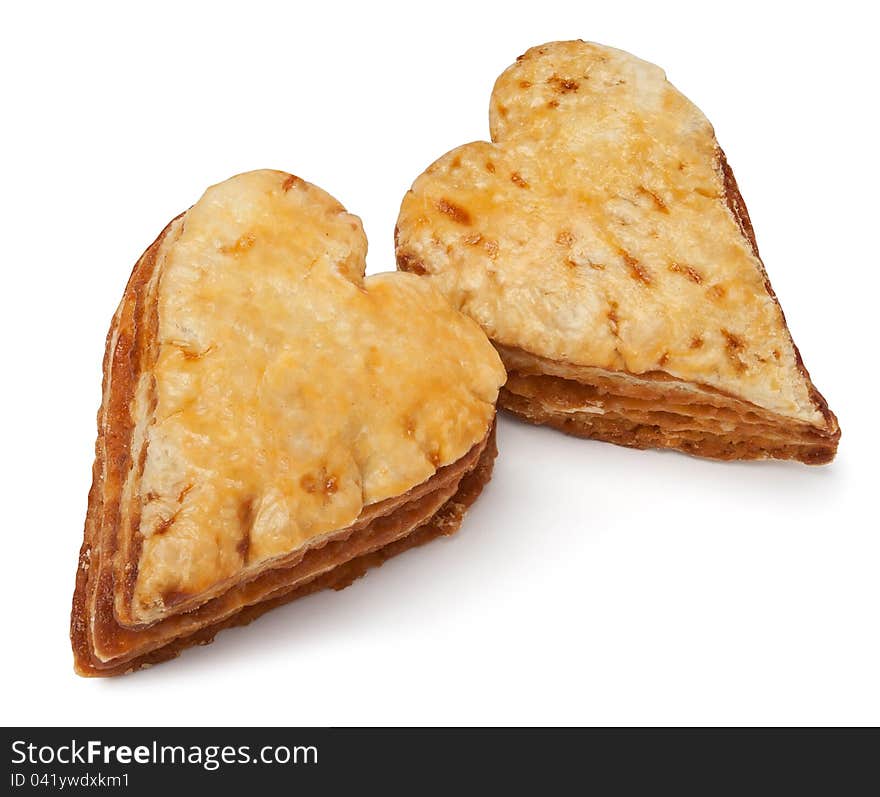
<point>590,584</point>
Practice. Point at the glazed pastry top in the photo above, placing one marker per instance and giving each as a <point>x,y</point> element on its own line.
<point>289,391</point>
<point>596,231</point>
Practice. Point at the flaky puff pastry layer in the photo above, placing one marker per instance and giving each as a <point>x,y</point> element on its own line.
<point>602,230</point>
<point>262,398</point>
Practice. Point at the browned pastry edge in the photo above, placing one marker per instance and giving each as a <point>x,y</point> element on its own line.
<point>737,206</point>
<point>125,359</point>
<point>634,434</point>
<point>112,457</point>
<point>444,522</point>
<point>640,435</point>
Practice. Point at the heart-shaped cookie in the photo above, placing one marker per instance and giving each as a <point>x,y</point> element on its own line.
<point>602,243</point>
<point>272,422</point>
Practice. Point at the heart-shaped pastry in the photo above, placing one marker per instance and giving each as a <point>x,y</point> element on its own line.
<point>272,422</point>
<point>603,245</point>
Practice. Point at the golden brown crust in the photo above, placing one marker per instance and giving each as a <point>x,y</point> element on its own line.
<point>602,230</point>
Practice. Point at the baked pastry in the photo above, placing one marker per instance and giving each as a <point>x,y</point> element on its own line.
<point>603,245</point>
<point>272,423</point>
